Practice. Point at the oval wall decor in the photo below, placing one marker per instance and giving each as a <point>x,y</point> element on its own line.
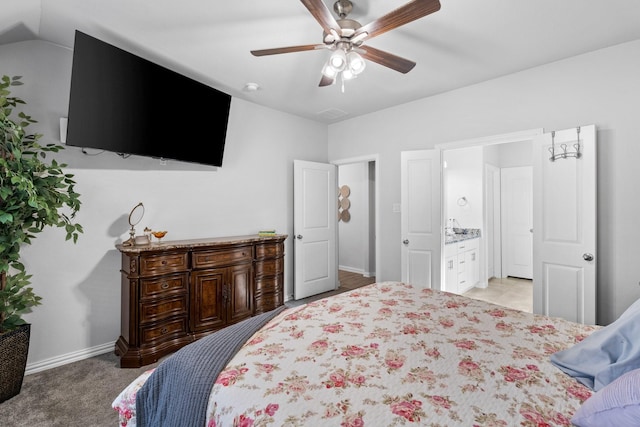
<point>344,204</point>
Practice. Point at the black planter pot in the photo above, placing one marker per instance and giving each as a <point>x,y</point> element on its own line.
<point>14,348</point>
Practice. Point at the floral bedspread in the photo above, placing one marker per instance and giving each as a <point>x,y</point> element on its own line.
<point>389,354</point>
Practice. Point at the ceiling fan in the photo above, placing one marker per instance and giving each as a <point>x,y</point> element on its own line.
<point>346,37</point>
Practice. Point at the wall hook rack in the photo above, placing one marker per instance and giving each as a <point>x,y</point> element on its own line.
<point>564,153</point>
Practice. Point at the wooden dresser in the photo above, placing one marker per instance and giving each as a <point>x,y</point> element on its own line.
<point>175,292</point>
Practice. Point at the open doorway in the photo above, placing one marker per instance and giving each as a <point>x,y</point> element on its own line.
<point>496,203</point>
<point>357,221</point>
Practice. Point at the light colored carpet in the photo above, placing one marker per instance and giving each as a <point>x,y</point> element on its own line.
<point>78,394</point>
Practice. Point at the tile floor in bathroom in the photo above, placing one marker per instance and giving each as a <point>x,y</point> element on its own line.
<point>509,292</point>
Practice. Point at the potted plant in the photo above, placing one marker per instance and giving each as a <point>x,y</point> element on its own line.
<point>34,193</point>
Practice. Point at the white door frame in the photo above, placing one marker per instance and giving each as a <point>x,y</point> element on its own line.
<point>521,136</point>
<point>375,158</point>
<point>492,212</point>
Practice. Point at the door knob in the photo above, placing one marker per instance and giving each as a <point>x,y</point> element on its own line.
<point>587,257</point>
<point>299,236</point>
<point>405,241</point>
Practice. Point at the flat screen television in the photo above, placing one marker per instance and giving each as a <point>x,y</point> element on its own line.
<point>126,104</point>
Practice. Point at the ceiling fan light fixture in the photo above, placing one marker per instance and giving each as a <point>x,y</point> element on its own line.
<point>338,60</point>
<point>347,74</point>
<point>356,62</point>
<point>329,71</point>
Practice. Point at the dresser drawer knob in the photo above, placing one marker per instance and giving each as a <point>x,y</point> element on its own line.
<point>164,330</point>
<point>164,262</point>
<point>165,285</point>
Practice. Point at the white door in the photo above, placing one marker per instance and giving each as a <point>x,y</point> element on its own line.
<point>564,225</point>
<point>420,218</point>
<point>517,222</point>
<point>315,196</point>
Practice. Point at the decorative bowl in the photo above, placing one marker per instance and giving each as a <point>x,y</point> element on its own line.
<point>159,234</point>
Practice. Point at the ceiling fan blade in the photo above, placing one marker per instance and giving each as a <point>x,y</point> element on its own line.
<point>411,11</point>
<point>326,81</point>
<point>290,49</point>
<point>387,59</point>
<point>322,14</point>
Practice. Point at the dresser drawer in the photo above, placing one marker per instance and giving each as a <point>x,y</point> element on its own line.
<point>265,285</point>
<point>218,258</point>
<point>269,267</point>
<point>164,286</point>
<point>163,309</point>
<point>269,250</point>
<point>164,263</point>
<point>268,302</point>
<point>152,334</point>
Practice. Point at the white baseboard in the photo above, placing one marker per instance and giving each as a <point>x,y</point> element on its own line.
<point>351,269</point>
<point>358,271</point>
<point>64,359</point>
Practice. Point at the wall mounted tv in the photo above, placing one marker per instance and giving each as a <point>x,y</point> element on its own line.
<point>126,104</point>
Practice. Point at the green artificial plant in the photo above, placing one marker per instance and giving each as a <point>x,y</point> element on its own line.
<point>34,193</point>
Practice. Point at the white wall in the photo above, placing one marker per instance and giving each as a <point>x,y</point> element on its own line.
<point>80,284</point>
<point>463,178</point>
<point>600,88</point>
<point>509,155</point>
<point>351,235</point>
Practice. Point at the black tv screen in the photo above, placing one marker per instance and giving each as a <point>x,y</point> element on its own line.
<point>126,104</point>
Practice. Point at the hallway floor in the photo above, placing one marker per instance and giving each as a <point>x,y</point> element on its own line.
<point>348,281</point>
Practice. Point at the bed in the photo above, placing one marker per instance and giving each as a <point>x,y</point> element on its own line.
<point>386,354</point>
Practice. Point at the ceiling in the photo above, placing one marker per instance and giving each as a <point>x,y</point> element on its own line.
<point>465,42</point>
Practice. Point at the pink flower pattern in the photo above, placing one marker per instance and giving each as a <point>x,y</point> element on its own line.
<point>392,354</point>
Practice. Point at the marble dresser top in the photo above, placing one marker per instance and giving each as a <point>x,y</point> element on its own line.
<point>197,243</point>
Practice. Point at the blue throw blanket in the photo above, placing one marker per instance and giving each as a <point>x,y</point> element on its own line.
<point>605,354</point>
<point>177,392</point>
